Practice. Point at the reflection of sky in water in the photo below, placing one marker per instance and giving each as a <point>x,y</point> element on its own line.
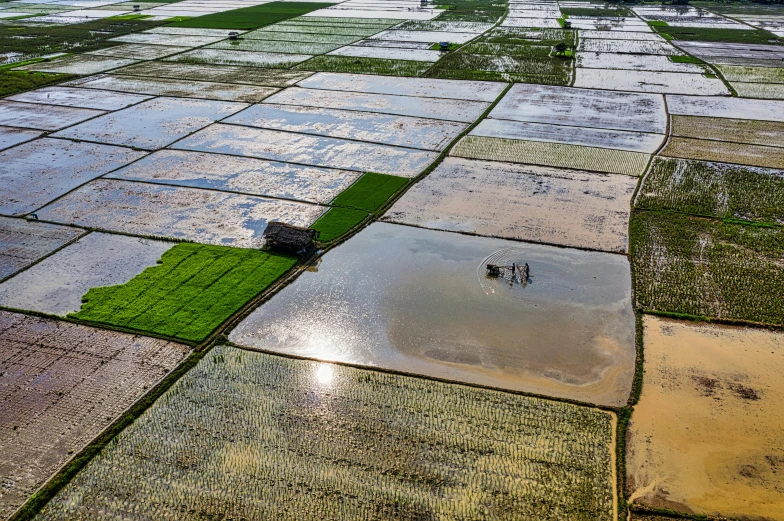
<point>414,300</point>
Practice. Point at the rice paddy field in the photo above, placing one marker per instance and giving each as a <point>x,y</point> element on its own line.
<point>391,259</point>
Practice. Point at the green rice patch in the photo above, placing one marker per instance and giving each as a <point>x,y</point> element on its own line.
<point>713,189</point>
<point>370,191</point>
<point>603,11</point>
<point>752,74</point>
<point>275,46</point>
<point>266,34</point>
<point>552,154</point>
<point>364,66</point>
<point>251,17</point>
<point>337,222</point>
<point>707,34</point>
<point>193,289</point>
<point>685,59</point>
<point>13,82</point>
<point>704,267</point>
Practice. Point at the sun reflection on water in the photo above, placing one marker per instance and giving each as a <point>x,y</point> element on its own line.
<point>324,374</point>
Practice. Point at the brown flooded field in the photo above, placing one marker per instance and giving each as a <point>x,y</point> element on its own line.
<point>706,436</point>
<point>62,384</point>
<point>420,301</point>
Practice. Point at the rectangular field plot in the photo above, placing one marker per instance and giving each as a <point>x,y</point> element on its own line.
<point>309,150</point>
<point>647,81</point>
<point>722,387</point>
<point>540,460</point>
<point>641,62</point>
<point>427,134</point>
<point>50,117</point>
<point>388,53</point>
<point>767,133</point>
<point>56,284</point>
<point>216,73</point>
<point>242,58</point>
<point>725,152</point>
<point>62,385</point>
<point>752,74</point>
<point>37,172</point>
<point>177,88</point>
<point>759,90</point>
<point>634,112</point>
<point>377,66</point>
<point>447,109</point>
<point>239,174</point>
<point>280,36</point>
<point>139,51</point>
<point>659,46</point>
<point>715,189</point>
<point>177,40</point>
<point>537,204</point>
<point>486,91</point>
<point>592,137</point>
<point>724,107</point>
<point>153,124</point>
<point>697,266</point>
<point>81,64</point>
<point>190,292</point>
<point>432,310</point>
<point>10,136</point>
<point>206,216</point>
<point>86,99</point>
<point>288,47</point>
<point>24,242</point>
<point>552,154</point>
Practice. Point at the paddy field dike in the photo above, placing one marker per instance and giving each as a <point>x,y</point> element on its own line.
<point>546,280</point>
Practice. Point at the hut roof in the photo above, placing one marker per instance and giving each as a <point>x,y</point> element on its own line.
<point>288,236</point>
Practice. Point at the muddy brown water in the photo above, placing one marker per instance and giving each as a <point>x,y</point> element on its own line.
<point>419,301</point>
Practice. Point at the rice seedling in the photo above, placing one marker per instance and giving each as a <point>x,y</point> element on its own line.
<point>364,66</point>
<point>702,267</point>
<point>265,34</point>
<point>276,46</point>
<point>370,191</point>
<point>357,30</point>
<point>607,10</point>
<point>713,189</point>
<point>192,291</point>
<point>251,17</point>
<point>336,222</point>
<point>473,11</point>
<point>724,152</point>
<point>770,133</point>
<point>552,154</point>
<point>308,440</point>
<point>13,82</point>
<point>752,74</point>
<point>708,34</point>
<point>759,90</point>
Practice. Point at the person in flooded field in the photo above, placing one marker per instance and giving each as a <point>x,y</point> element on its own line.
<point>526,272</point>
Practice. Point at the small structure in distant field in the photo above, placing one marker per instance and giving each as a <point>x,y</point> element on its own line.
<point>137,8</point>
<point>444,46</point>
<point>567,24</point>
<point>289,238</point>
<point>233,35</point>
<point>560,49</point>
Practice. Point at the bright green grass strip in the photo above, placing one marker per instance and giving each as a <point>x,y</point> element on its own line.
<point>685,59</point>
<point>370,191</point>
<point>658,23</point>
<point>193,289</point>
<point>605,11</point>
<point>252,17</point>
<point>12,82</point>
<point>336,222</point>
<point>703,34</point>
<point>364,66</point>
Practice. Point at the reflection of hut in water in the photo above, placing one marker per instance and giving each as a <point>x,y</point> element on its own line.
<point>289,238</point>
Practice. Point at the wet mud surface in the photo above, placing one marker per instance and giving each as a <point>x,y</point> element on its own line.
<point>420,301</point>
<point>34,116</point>
<point>23,242</point>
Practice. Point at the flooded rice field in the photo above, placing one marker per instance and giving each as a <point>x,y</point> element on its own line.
<point>34,116</point>
<point>216,73</point>
<point>153,124</point>
<point>24,242</point>
<point>730,108</point>
<point>56,284</point>
<point>648,81</point>
<point>427,134</point>
<point>430,309</point>
<point>10,136</point>
<point>239,174</point>
<point>37,172</point>
<point>310,150</point>
<point>206,216</point>
<point>140,51</point>
<point>540,204</point>
<point>80,64</point>
<point>706,437</point>
<point>244,58</point>
<point>82,98</point>
<point>62,385</point>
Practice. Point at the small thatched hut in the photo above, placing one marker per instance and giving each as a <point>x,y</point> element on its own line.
<point>287,237</point>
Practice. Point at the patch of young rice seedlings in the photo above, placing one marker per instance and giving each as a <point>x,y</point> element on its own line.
<point>464,66</point>
<point>275,46</point>
<point>703,267</point>
<point>752,74</point>
<point>263,34</point>
<point>342,21</point>
<point>489,11</point>
<point>716,189</point>
<point>364,66</point>
<point>517,35</point>
<point>770,133</point>
<point>628,46</point>
<point>724,152</point>
<point>326,29</point>
<point>552,154</point>
<point>439,25</point>
<point>246,435</point>
<point>759,90</point>
<point>192,291</point>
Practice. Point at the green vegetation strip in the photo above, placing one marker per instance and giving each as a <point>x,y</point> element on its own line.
<point>310,441</point>
<point>191,292</point>
<point>707,34</point>
<point>364,66</point>
<point>251,17</point>
<point>370,191</point>
<point>338,221</point>
<point>605,11</point>
<point>472,11</point>
<point>714,189</point>
<point>718,269</point>
<point>12,82</point>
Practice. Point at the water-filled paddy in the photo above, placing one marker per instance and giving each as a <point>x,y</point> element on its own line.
<point>724,107</point>
<point>206,216</point>
<point>242,58</point>
<point>80,64</point>
<point>51,117</point>
<point>86,99</point>
<point>419,301</point>
<point>10,136</point>
<point>648,81</point>
<point>388,53</point>
<point>531,203</point>
<point>217,73</point>
<point>23,242</point>
<point>140,51</point>
<point>706,436</point>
